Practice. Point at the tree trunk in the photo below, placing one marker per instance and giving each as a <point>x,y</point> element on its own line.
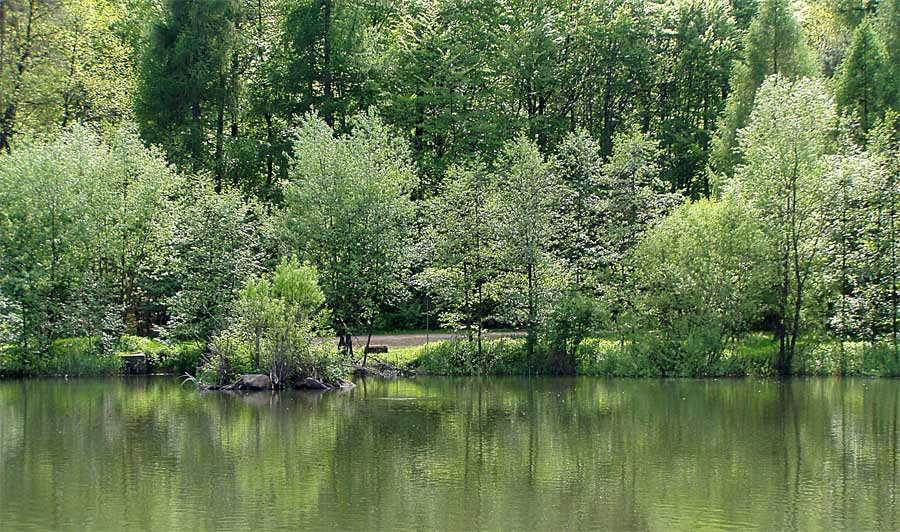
<point>196,133</point>
<point>531,313</point>
<point>326,67</point>
<point>893,261</point>
<point>220,133</point>
<point>270,158</point>
<point>67,97</point>
<point>8,121</point>
<point>781,322</point>
<point>258,338</point>
<point>368,343</point>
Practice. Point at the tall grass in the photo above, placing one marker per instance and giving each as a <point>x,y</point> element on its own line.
<point>611,357</point>
<point>70,356</point>
<point>83,357</point>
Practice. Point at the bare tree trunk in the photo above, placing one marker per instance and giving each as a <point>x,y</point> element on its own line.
<point>467,302</point>
<point>196,134</point>
<point>798,281</point>
<point>781,322</point>
<point>368,342</point>
<point>67,97</point>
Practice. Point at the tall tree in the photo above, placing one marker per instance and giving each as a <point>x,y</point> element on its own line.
<point>184,84</point>
<point>330,61</point>
<point>844,302</point>
<point>63,62</point>
<point>889,31</point>
<point>613,69</point>
<point>532,56</point>
<point>526,200</point>
<point>347,210</point>
<point>862,83</point>
<point>632,199</point>
<point>445,83</point>
<point>458,243</point>
<point>28,67</point>
<point>698,47</point>
<point>774,45</point>
<point>84,234</point>
<point>786,180</point>
<point>578,166</point>
<point>882,231</point>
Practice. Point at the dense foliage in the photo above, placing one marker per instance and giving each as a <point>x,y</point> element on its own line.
<point>651,186</point>
<point>274,328</point>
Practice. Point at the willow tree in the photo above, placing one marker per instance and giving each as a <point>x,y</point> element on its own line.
<point>786,180</point>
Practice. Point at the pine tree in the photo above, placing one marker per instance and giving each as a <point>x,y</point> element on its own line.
<point>889,30</point>
<point>774,45</point>
<point>184,86</point>
<point>860,87</point>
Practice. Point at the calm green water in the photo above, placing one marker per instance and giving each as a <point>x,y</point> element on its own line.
<point>452,454</point>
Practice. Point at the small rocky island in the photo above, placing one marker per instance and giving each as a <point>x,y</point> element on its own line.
<point>258,382</point>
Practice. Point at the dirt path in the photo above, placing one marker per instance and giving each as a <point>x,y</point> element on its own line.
<point>396,341</point>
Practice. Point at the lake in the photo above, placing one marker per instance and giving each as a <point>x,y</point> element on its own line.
<point>452,454</point>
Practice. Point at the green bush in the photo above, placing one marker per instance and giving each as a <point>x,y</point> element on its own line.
<point>701,279</point>
<point>275,328</point>
<point>641,357</point>
<point>503,356</point>
<point>177,358</point>
<point>140,344</point>
<point>571,320</point>
<point>606,357</point>
<point>881,360</point>
<point>227,358</point>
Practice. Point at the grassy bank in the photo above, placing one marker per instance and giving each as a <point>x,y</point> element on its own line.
<point>610,357</point>
<point>83,357</point>
<point>604,356</point>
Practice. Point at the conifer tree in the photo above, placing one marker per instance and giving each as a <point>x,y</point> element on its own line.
<point>774,45</point>
<point>860,86</point>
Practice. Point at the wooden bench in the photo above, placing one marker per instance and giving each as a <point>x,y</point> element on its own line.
<point>375,349</point>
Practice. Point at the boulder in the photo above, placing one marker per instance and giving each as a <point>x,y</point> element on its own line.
<point>382,370</point>
<point>345,384</point>
<point>254,381</point>
<point>310,383</point>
